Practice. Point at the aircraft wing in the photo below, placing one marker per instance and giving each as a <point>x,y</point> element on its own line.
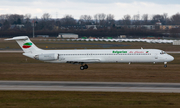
<point>84,61</point>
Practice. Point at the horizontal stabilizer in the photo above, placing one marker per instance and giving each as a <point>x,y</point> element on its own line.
<point>18,38</point>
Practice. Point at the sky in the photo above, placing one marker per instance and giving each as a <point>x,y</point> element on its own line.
<point>76,8</point>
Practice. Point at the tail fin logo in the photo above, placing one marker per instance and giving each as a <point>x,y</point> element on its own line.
<point>27,45</point>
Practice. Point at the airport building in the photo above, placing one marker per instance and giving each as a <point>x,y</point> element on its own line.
<point>68,35</point>
<point>177,42</point>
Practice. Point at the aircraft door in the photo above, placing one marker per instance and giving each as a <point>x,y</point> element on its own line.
<point>156,56</point>
<point>61,58</point>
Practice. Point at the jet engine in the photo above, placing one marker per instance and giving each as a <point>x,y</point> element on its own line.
<point>47,57</point>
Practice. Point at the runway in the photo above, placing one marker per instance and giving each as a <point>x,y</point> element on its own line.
<point>11,51</point>
<point>90,86</point>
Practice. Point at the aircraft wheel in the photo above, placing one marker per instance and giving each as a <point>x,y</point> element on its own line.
<point>82,67</point>
<point>85,66</point>
<point>165,66</point>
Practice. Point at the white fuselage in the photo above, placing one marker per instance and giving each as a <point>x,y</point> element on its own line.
<point>108,55</point>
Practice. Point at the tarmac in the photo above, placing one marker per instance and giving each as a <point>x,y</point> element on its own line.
<point>90,86</point>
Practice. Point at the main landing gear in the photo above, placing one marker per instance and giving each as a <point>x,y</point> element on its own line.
<point>84,67</point>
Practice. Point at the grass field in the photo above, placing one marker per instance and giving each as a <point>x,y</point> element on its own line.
<point>15,66</point>
<point>43,99</point>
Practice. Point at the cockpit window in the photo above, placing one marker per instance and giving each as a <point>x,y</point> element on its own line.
<point>162,52</point>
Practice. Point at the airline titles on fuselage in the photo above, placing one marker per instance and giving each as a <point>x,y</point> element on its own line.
<point>135,52</point>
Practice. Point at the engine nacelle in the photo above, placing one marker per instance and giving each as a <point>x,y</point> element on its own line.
<point>47,57</point>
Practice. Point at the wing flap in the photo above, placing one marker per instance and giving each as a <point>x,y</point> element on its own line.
<point>84,61</point>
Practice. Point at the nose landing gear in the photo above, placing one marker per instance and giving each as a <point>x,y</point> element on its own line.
<point>165,64</point>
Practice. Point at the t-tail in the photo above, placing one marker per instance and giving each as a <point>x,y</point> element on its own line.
<point>27,46</point>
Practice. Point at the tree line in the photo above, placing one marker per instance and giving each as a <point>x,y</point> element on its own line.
<point>105,24</point>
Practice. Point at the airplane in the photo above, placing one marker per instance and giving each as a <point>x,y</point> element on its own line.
<point>84,57</point>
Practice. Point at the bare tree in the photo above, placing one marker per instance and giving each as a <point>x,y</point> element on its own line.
<point>145,18</point>
<point>68,20</point>
<point>110,19</point>
<point>27,17</point>
<point>96,18</point>
<point>175,19</point>
<point>136,19</point>
<point>127,20</point>
<point>157,18</point>
<point>4,17</point>
<point>46,16</point>
<point>86,19</point>
<point>15,19</point>
<point>165,15</point>
<point>27,23</point>
<point>100,18</point>
<point>6,25</point>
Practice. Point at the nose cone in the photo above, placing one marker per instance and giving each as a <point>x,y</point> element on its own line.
<point>170,58</point>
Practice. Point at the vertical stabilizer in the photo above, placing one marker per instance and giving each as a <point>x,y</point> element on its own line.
<point>26,44</point>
